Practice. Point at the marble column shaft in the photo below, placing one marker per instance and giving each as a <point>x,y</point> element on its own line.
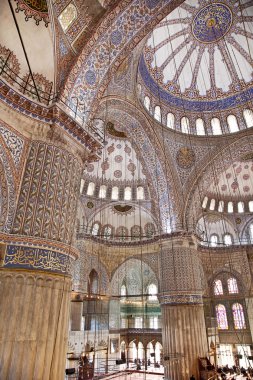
<point>34,322</point>
<point>184,332</point>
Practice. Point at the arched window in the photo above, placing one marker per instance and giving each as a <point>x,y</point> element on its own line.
<point>91,188</point>
<point>107,232</point>
<point>232,285</point>
<point>251,232</point>
<point>213,240</point>
<point>139,88</point>
<point>81,186</point>
<point>240,206</point>
<point>149,230</point>
<point>170,120</point>
<point>93,282</point>
<point>152,292</point>
<point>250,206</point>
<point>221,317</point>
<point>227,239</point>
<point>232,124</point>
<point>140,193</point>
<point>95,229</point>
<point>238,315</point>
<point>136,232</point>
<point>216,127</point>
<point>204,203</point>
<point>185,125</point>
<point>115,193</point>
<point>122,233</point>
<point>102,191</point>
<point>230,207</point>
<point>123,291</point>
<point>128,194</point>
<point>217,287</point>
<point>67,17</point>
<point>248,117</point>
<point>221,206</point>
<point>157,113</point>
<point>147,103</point>
<point>212,204</point>
<point>200,127</point>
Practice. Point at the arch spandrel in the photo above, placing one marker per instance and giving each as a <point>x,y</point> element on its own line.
<point>112,45</point>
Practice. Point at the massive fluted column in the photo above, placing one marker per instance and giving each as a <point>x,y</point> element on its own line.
<point>184,333</point>
<point>35,264</point>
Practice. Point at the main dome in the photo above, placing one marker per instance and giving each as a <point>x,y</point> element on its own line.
<point>199,57</point>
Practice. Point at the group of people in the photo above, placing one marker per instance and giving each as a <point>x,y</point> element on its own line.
<point>232,373</point>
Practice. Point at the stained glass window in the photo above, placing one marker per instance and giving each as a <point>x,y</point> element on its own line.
<point>248,117</point>
<point>91,188</point>
<point>115,193</point>
<point>251,206</point>
<point>204,203</point>
<point>170,120</point>
<point>221,317</point>
<point>213,240</point>
<point>107,232</point>
<point>128,193</point>
<point>122,233</point>
<point>95,229</point>
<point>232,123</point>
<point>140,193</point>
<point>200,127</point>
<point>216,127</point>
<point>149,230</point>
<point>227,238</point>
<point>251,232</point>
<point>221,206</point>
<point>230,207</point>
<point>136,232</point>
<point>238,314</point>
<point>232,285</point>
<point>102,191</point>
<point>217,287</point>
<point>152,291</point>
<point>185,125</point>
<point>147,102</point>
<point>157,113</point>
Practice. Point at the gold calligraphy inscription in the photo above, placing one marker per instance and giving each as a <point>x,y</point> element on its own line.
<point>36,258</point>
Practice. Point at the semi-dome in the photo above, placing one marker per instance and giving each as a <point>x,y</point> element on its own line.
<point>199,57</point>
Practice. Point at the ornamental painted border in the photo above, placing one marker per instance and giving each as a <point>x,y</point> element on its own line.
<point>192,105</point>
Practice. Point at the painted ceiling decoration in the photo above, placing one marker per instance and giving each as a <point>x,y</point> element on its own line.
<point>236,181</point>
<point>110,128</point>
<point>36,9</point>
<point>123,208</point>
<point>247,157</point>
<point>199,57</point>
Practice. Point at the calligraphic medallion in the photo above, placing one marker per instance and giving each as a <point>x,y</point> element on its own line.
<point>212,22</point>
<point>185,157</point>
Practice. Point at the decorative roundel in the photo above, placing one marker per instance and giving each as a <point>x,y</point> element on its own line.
<point>90,204</point>
<point>118,158</point>
<point>131,167</point>
<point>118,174</point>
<point>212,23</point>
<point>185,157</point>
<point>246,189</point>
<point>90,168</point>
